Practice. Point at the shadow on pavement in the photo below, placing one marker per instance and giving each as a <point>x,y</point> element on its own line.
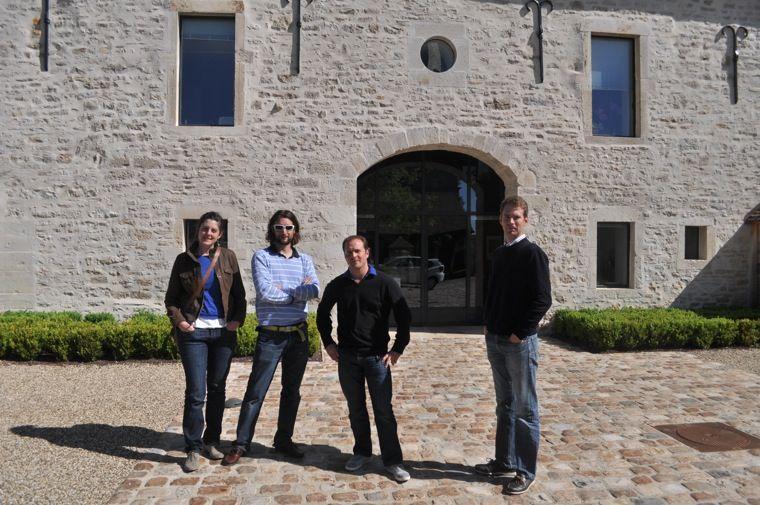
<point>120,441</point>
<point>331,459</point>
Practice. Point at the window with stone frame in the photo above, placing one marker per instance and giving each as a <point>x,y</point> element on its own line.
<point>613,86</point>
<point>695,242</point>
<point>613,255</point>
<point>207,70</point>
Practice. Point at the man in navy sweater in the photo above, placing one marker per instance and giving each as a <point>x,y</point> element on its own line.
<point>519,294</point>
<point>365,299</point>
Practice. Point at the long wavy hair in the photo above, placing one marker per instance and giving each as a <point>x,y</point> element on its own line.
<point>287,215</point>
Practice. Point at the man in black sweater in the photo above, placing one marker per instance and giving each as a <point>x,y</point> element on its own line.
<point>519,294</point>
<point>365,299</point>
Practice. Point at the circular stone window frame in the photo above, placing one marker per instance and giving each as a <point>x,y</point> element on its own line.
<point>446,42</point>
<point>455,35</point>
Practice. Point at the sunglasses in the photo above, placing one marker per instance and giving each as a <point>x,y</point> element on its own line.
<point>288,227</point>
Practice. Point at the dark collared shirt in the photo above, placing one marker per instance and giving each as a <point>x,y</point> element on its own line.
<point>363,312</point>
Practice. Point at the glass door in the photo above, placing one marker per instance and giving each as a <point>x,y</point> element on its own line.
<point>428,217</point>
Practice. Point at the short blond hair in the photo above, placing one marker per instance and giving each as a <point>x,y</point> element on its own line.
<point>516,202</point>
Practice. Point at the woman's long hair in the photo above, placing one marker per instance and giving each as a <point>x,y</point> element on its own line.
<point>214,216</point>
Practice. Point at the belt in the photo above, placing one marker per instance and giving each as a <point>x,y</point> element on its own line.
<point>300,328</point>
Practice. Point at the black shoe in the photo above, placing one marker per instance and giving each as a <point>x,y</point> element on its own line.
<point>494,469</point>
<point>518,485</point>
<point>233,456</point>
<point>288,449</point>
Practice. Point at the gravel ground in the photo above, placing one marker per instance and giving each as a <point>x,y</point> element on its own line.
<point>70,433</point>
<point>742,358</point>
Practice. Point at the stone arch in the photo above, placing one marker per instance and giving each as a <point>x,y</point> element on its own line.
<point>506,161</point>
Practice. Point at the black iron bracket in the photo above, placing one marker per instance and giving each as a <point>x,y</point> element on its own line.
<point>734,36</point>
<point>539,30</point>
<point>45,51</point>
<point>295,62</point>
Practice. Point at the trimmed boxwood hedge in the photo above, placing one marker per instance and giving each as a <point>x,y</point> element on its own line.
<point>64,336</point>
<point>628,329</point>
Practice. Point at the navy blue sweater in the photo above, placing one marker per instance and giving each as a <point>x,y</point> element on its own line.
<point>519,290</point>
<point>363,311</point>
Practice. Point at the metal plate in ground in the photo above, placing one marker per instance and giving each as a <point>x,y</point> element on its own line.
<point>710,437</point>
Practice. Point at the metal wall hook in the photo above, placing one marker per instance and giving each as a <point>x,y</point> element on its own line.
<point>734,36</point>
<point>539,5</point>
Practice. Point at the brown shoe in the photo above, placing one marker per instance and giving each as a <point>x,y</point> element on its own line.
<point>234,455</point>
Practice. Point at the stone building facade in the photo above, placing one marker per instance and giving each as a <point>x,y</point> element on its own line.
<point>97,175</point>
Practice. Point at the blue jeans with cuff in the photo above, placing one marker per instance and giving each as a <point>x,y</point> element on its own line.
<point>206,355</point>
<point>353,371</point>
<point>514,368</point>
<point>271,348</point>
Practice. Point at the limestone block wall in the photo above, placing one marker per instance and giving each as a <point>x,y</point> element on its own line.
<point>96,177</point>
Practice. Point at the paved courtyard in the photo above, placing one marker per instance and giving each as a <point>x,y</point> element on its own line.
<point>598,443</point>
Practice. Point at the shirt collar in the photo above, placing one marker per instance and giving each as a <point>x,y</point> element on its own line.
<point>371,273</point>
<point>273,251</point>
<point>513,242</point>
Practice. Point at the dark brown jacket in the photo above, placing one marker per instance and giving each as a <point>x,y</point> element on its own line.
<point>185,276</point>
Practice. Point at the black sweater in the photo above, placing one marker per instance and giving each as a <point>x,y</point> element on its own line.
<point>363,311</point>
<point>519,290</point>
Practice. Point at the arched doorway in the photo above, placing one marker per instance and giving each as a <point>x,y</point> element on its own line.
<point>431,218</point>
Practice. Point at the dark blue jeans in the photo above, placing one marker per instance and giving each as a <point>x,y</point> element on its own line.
<point>514,368</point>
<point>206,356</point>
<point>271,348</point>
<point>353,371</point>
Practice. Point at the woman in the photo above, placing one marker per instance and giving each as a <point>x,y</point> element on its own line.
<point>206,303</point>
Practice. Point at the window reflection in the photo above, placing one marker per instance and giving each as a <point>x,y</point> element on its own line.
<point>207,71</point>
<point>612,82</point>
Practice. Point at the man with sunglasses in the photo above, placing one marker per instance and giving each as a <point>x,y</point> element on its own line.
<point>285,281</point>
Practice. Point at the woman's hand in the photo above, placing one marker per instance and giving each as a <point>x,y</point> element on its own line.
<point>186,327</point>
<point>233,325</point>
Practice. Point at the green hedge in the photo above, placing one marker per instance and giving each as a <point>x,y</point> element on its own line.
<point>64,336</point>
<point>631,328</point>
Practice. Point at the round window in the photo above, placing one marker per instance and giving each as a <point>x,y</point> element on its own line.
<point>438,55</point>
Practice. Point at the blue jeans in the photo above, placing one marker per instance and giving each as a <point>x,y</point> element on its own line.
<point>206,356</point>
<point>514,368</point>
<point>353,370</point>
<point>271,348</point>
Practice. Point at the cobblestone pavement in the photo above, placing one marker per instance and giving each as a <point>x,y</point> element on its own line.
<point>598,442</point>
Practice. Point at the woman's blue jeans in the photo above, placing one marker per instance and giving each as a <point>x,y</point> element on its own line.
<point>353,372</point>
<point>514,368</point>
<point>206,355</point>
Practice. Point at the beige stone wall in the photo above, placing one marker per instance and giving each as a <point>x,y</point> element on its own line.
<point>95,178</point>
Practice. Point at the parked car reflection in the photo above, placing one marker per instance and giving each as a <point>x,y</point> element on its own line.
<point>407,269</point>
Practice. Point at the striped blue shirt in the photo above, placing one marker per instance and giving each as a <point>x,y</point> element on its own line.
<point>281,295</point>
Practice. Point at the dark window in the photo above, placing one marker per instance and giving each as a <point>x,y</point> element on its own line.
<point>613,87</point>
<point>613,241</point>
<point>207,71</point>
<point>438,55</point>
<point>695,247</point>
<point>191,232</point>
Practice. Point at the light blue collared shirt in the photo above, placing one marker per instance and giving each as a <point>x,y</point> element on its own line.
<point>281,295</point>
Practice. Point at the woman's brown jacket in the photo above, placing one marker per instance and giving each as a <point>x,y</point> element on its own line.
<point>185,276</point>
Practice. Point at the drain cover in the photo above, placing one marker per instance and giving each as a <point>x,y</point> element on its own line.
<point>710,437</point>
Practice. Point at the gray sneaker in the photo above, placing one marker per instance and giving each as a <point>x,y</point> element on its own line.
<point>192,462</point>
<point>398,472</point>
<point>356,462</point>
<point>211,451</point>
